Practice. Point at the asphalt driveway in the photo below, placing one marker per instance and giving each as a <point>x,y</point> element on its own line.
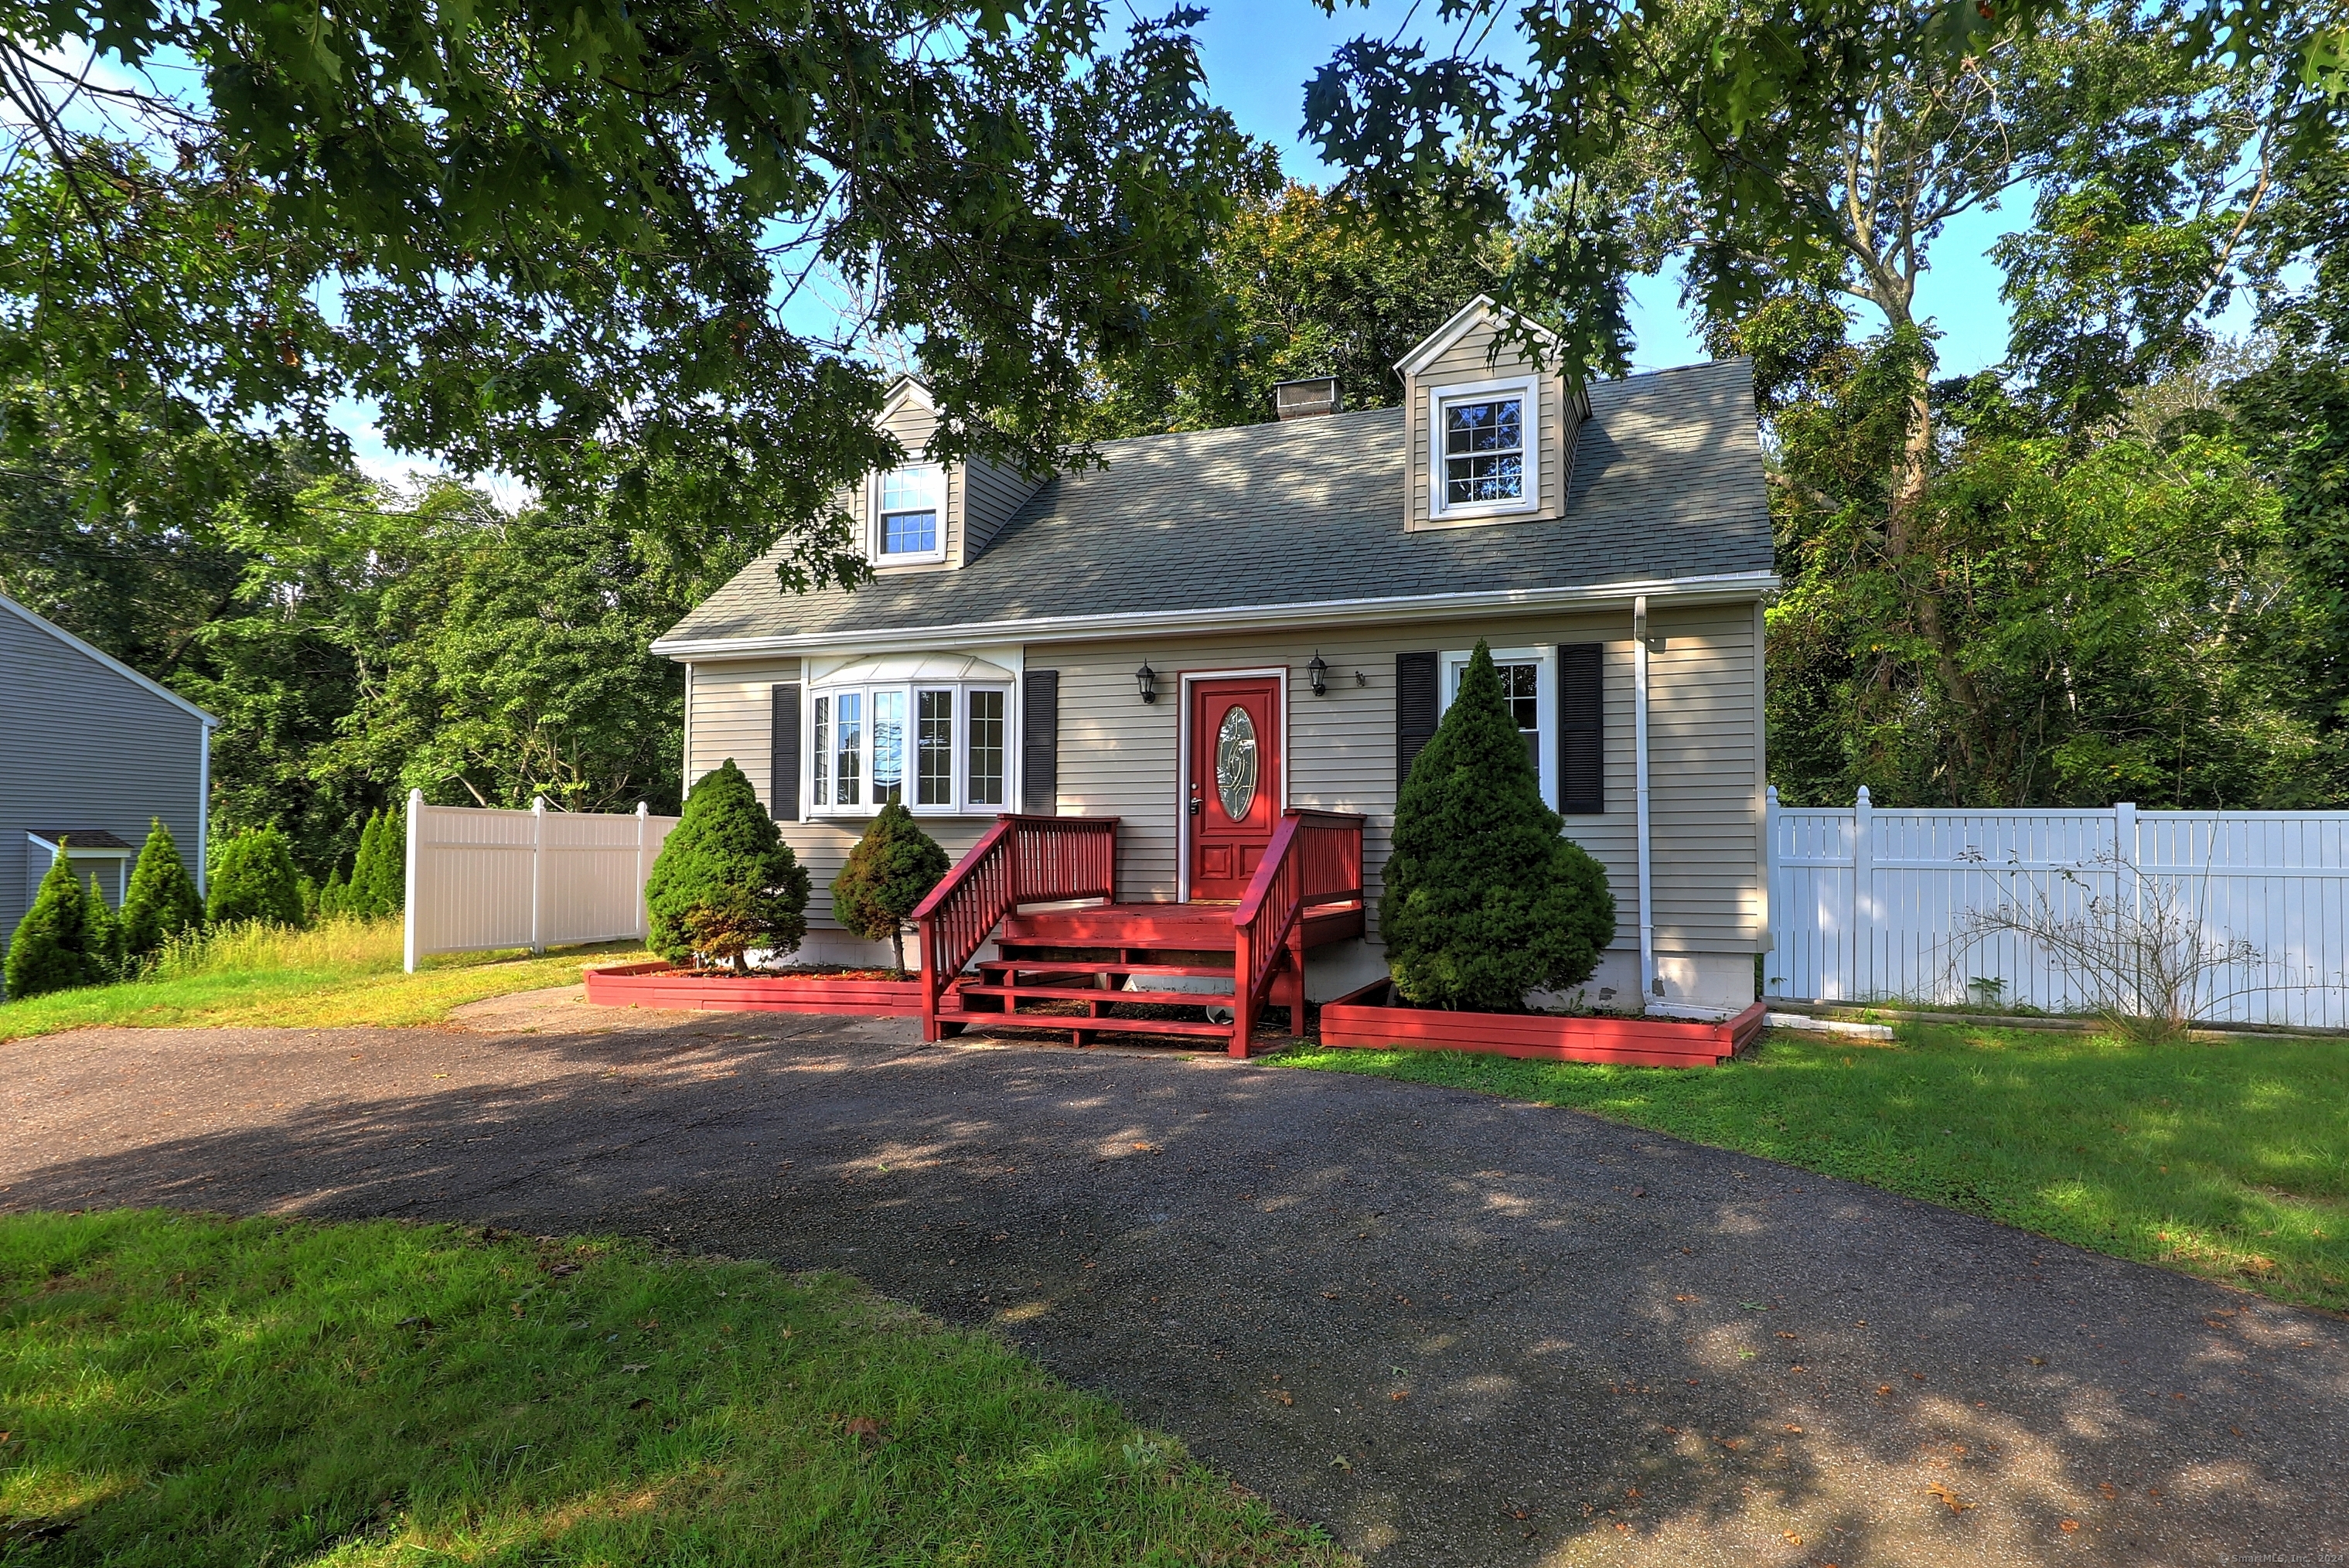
<point>1454,1330</point>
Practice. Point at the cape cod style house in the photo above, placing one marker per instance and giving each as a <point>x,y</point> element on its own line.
<point>1233,643</point>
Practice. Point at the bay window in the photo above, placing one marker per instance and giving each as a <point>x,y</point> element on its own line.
<point>940,748</point>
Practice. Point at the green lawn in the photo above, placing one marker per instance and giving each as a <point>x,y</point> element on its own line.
<point>2229,1161</point>
<point>179,1390</point>
<point>345,972</point>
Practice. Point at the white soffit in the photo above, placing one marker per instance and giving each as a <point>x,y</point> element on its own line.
<point>893,668</point>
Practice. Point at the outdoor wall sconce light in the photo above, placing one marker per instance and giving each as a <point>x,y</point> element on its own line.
<point>1145,680</point>
<point>1318,672</point>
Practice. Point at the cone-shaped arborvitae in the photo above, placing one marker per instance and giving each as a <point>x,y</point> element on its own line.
<point>1485,900</point>
<point>254,878</point>
<point>50,949</point>
<point>162,900</point>
<point>725,882</point>
<point>893,867</point>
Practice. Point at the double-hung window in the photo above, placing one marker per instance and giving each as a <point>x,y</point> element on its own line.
<point>941,749</point>
<point>909,515</point>
<point>1484,456</point>
<point>1528,686</point>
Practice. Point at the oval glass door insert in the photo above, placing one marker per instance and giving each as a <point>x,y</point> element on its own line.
<point>1235,763</point>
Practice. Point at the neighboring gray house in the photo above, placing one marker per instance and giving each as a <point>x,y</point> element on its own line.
<point>93,752</point>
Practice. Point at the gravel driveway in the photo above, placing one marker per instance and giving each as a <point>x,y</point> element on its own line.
<point>1455,1330</point>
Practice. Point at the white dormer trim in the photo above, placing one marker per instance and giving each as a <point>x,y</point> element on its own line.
<point>1476,312</point>
<point>905,389</point>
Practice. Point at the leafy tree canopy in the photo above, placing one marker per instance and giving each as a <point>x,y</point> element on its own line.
<point>566,243</point>
<point>1313,285</point>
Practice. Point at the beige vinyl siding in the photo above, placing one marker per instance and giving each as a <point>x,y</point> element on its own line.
<point>1463,363</point>
<point>990,497</point>
<point>1704,804</point>
<point>1120,757</point>
<point>732,713</point>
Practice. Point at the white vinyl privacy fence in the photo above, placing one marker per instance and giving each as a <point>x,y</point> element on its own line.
<point>482,878</point>
<point>1869,904</point>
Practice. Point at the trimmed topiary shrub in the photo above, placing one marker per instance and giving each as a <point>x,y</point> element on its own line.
<point>893,867</point>
<point>50,949</point>
<point>162,900</point>
<point>254,878</point>
<point>725,882</point>
<point>1485,900</point>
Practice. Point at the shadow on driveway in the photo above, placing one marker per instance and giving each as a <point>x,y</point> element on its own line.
<point>1456,1330</point>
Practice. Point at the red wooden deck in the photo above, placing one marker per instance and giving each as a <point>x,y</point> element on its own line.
<point>1030,885</point>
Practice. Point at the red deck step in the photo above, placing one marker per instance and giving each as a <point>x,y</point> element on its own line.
<point>1084,1027</point>
<point>1095,994</point>
<point>1098,965</point>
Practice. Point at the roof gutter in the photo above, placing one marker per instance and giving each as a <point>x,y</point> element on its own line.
<point>1727,586</point>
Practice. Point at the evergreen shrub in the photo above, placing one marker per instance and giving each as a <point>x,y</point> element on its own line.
<point>725,882</point>
<point>254,878</point>
<point>892,869</point>
<point>378,883</point>
<point>101,941</point>
<point>162,900</point>
<point>50,948</point>
<point>1485,900</point>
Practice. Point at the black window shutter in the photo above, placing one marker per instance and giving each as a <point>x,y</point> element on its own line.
<point>1582,728</point>
<point>784,755</point>
<point>1040,740</point>
<point>1416,710</point>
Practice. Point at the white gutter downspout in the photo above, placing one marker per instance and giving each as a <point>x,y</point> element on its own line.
<point>1640,774</point>
<point>685,751</point>
<point>204,810</point>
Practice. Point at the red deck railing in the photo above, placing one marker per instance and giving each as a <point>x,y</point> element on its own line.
<point>1021,860</point>
<point>1315,860</point>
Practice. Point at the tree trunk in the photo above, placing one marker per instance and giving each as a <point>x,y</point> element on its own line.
<point>897,945</point>
<point>1915,569</point>
<point>1893,293</point>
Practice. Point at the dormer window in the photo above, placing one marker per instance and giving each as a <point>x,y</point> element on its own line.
<point>909,515</point>
<point>1485,452</point>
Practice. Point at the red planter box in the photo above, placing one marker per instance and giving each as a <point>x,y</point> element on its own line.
<point>659,986</point>
<point>1365,1019</point>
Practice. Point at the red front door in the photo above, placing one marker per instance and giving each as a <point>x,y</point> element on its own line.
<point>1234,784</point>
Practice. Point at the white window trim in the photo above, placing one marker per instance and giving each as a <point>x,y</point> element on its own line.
<point>1527,388</point>
<point>961,805</point>
<point>872,533</point>
<point>1544,663</point>
<point>1277,673</point>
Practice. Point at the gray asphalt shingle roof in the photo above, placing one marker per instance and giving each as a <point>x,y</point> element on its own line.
<point>1667,482</point>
